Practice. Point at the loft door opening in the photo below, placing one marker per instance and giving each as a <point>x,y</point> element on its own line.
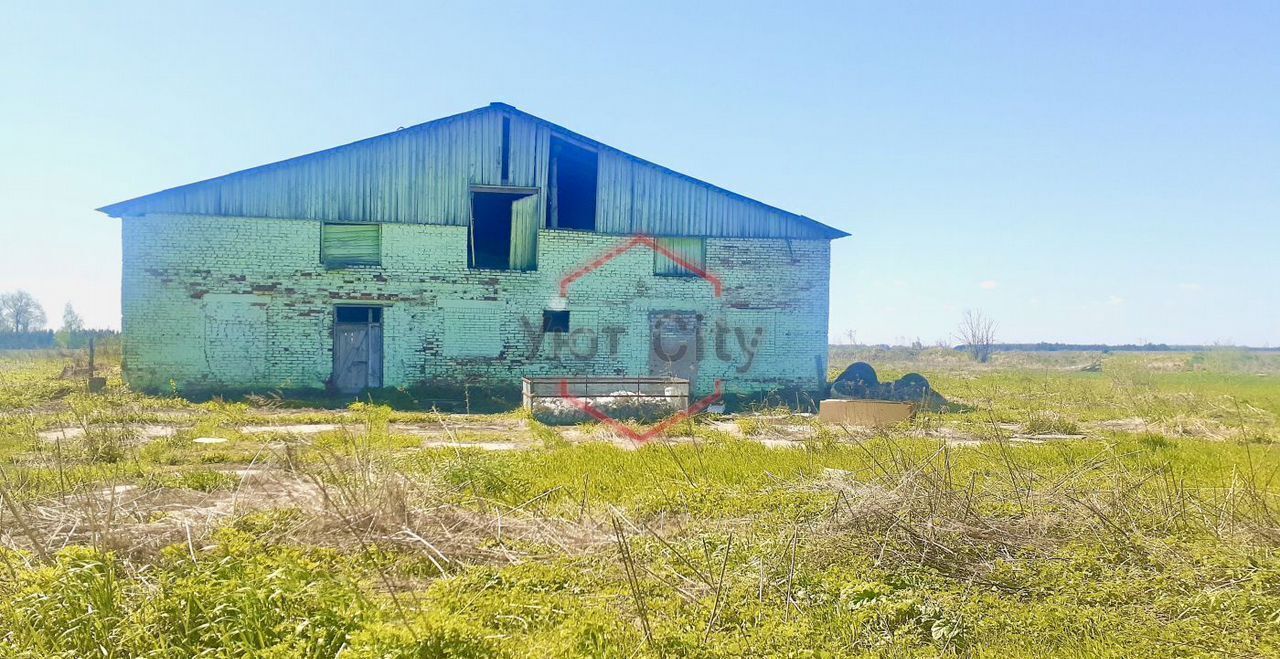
<point>504,228</point>
<point>572,201</point>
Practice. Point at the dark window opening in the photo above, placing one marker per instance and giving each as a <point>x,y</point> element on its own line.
<point>357,314</point>
<point>572,202</point>
<point>555,322</point>
<point>506,149</point>
<point>504,230</point>
<point>490,239</point>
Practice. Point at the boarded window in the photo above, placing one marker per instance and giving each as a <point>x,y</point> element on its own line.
<point>237,345</point>
<point>342,245</point>
<point>688,253</point>
<point>472,328</point>
<point>504,229</point>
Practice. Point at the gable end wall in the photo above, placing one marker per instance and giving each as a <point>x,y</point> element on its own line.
<point>244,303</point>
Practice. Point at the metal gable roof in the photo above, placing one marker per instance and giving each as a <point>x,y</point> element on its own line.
<point>422,174</point>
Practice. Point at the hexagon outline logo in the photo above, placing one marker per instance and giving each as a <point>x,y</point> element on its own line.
<point>585,406</point>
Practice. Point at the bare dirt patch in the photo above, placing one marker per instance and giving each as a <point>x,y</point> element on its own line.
<point>139,432</point>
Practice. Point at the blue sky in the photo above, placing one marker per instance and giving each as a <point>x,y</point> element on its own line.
<point>1085,171</point>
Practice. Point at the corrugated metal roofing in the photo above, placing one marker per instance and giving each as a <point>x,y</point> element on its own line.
<point>423,175</point>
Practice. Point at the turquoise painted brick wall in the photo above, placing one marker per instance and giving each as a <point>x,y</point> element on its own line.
<point>229,302</point>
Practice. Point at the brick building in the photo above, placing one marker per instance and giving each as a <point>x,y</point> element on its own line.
<point>438,254</point>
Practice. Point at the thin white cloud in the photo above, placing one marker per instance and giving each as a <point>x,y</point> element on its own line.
<point>1190,287</point>
<point>989,284</point>
<point>1115,300</point>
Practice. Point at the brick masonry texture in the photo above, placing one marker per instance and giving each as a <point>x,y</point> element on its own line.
<point>245,303</point>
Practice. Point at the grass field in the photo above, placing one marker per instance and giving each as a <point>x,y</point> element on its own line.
<point>1063,505</point>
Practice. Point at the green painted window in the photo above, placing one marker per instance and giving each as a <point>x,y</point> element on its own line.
<point>342,245</point>
<point>689,251</point>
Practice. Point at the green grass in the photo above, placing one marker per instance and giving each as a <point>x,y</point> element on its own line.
<point>1163,542</point>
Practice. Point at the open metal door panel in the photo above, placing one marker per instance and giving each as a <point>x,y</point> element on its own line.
<point>525,217</point>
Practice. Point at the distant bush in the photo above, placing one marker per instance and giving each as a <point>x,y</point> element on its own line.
<point>1049,423</point>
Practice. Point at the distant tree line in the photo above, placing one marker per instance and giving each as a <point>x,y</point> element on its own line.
<point>1104,347</point>
<point>26,340</point>
<point>23,321</point>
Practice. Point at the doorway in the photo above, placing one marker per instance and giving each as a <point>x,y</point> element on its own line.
<point>357,348</point>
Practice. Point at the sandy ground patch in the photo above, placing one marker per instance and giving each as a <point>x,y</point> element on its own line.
<point>293,429</point>
<point>140,432</point>
<point>511,434</point>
